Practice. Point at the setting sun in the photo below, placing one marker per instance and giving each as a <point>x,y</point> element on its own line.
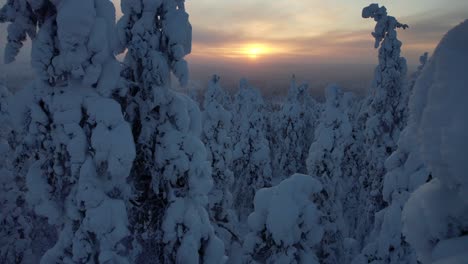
<point>253,51</point>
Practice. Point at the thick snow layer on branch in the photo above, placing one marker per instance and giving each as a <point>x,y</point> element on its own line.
<point>217,122</point>
<point>22,21</point>
<point>73,142</point>
<point>252,165</point>
<point>326,161</point>
<point>285,223</point>
<point>383,115</point>
<point>158,36</point>
<point>439,101</point>
<point>292,129</point>
<point>72,123</point>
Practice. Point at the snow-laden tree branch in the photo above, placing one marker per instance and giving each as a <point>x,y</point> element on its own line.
<point>382,117</point>
<point>252,165</point>
<point>171,175</point>
<point>73,142</point>
<point>284,226</point>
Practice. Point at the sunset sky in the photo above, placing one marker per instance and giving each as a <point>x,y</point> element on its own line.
<point>313,31</point>
<point>252,35</point>
<point>308,31</point>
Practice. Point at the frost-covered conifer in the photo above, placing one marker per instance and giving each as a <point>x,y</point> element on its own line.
<point>158,35</point>
<point>383,115</point>
<point>252,165</point>
<point>405,172</point>
<point>23,22</point>
<point>5,129</point>
<point>12,246</point>
<point>217,122</point>
<point>414,77</point>
<point>292,128</point>
<point>351,168</point>
<point>24,236</point>
<point>75,144</point>
<point>435,218</point>
<point>285,224</point>
<point>326,161</point>
<point>171,175</point>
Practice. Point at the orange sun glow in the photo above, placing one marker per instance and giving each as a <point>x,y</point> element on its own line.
<point>254,50</point>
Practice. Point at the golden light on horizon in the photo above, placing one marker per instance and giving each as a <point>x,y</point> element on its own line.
<point>242,51</point>
<point>256,50</point>
<point>253,52</point>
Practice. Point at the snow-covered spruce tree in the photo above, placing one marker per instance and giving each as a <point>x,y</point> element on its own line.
<point>383,115</point>
<point>415,76</point>
<point>348,108</point>
<point>272,113</point>
<point>171,175</point>
<point>325,161</point>
<point>24,237</point>
<point>12,245</point>
<point>351,166</point>
<point>284,227</point>
<point>23,22</point>
<point>435,218</point>
<point>81,147</point>
<point>405,172</point>
<point>5,129</point>
<point>217,122</point>
<point>251,156</point>
<point>292,129</point>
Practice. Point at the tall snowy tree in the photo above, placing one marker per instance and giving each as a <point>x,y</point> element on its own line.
<point>435,218</point>
<point>80,147</point>
<point>292,130</point>
<point>12,246</point>
<point>217,124</point>
<point>23,21</point>
<point>351,168</point>
<point>325,161</point>
<point>171,175</point>
<point>285,225</point>
<point>383,115</point>
<point>405,172</point>
<point>252,165</point>
<point>5,95</point>
<point>24,236</point>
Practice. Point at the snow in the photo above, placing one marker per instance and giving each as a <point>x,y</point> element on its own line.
<point>108,139</point>
<point>162,51</point>
<point>252,165</point>
<point>22,24</point>
<point>286,214</point>
<point>74,144</point>
<point>291,129</point>
<point>167,127</point>
<point>326,161</point>
<point>453,250</point>
<point>405,172</point>
<point>217,122</point>
<point>383,115</point>
<point>103,161</point>
<point>438,101</point>
<point>186,213</point>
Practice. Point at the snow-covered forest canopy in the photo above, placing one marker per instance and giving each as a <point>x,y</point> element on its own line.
<point>102,161</point>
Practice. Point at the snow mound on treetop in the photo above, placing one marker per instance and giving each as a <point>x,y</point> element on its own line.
<point>280,207</point>
<point>441,129</point>
<point>439,99</point>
